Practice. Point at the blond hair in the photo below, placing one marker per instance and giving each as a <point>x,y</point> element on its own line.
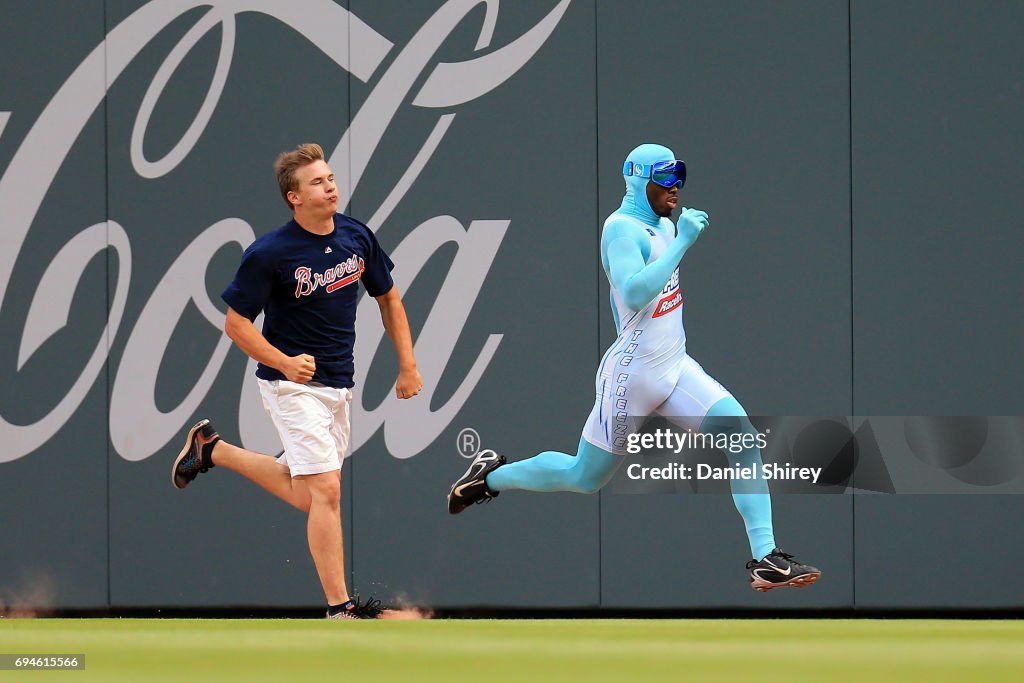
<point>289,162</point>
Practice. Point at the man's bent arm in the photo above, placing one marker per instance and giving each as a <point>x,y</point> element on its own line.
<point>241,331</point>
<point>637,281</point>
<point>396,324</point>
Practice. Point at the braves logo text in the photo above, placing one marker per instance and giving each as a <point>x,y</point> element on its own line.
<point>332,279</point>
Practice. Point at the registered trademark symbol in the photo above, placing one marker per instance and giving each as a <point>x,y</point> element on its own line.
<point>468,442</point>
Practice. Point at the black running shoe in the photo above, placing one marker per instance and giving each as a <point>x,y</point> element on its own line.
<point>779,569</point>
<point>471,487</point>
<point>355,609</point>
<point>194,458</point>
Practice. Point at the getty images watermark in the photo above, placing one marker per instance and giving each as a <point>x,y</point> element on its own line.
<point>818,455</point>
<point>735,443</point>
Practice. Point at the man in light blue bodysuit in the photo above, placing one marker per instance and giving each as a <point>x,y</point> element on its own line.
<point>647,370</point>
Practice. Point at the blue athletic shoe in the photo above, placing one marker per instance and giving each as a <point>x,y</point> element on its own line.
<point>194,458</point>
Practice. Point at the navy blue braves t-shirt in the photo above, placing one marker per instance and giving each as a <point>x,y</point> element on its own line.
<point>307,286</point>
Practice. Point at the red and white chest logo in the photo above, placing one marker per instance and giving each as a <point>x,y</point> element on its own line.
<point>332,279</point>
<point>671,297</point>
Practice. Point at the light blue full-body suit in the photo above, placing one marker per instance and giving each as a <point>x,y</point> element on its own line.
<point>647,369</point>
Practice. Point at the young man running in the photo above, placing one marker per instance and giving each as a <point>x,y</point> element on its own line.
<point>304,277</point>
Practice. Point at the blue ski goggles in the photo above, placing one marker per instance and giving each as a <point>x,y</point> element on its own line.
<point>664,173</point>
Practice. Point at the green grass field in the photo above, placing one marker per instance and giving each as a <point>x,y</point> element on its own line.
<point>522,650</point>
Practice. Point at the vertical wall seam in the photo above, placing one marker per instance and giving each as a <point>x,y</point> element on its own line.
<point>853,367</point>
<point>351,470</point>
<point>597,296</point>
<point>106,217</point>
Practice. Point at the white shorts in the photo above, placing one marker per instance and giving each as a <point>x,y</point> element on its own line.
<point>683,393</point>
<point>312,421</point>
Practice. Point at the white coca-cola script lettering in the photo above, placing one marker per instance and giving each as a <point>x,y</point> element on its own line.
<point>138,427</point>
